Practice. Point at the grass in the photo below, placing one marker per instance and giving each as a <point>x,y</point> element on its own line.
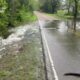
<point>54,15</point>
<point>25,65</point>
<point>19,67</point>
<point>27,17</point>
<point>60,14</point>
<point>77,33</point>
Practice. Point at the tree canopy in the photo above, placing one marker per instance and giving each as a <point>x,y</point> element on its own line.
<point>13,12</point>
<point>50,6</point>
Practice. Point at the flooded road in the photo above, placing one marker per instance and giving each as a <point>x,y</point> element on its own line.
<point>64,47</point>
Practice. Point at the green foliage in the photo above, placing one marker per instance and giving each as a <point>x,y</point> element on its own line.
<point>15,12</point>
<point>4,73</point>
<point>3,25</point>
<point>61,13</point>
<point>3,31</point>
<point>2,4</point>
<point>50,6</point>
<point>3,19</point>
<point>26,16</point>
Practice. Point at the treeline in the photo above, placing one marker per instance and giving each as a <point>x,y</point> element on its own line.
<point>50,6</point>
<point>68,8</point>
<point>15,12</point>
<point>73,8</point>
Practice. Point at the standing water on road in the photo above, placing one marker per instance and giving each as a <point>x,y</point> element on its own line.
<point>64,46</point>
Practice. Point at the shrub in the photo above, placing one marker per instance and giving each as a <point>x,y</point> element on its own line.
<point>3,25</point>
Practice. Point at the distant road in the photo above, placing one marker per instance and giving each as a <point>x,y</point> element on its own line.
<point>63,47</point>
<point>44,16</point>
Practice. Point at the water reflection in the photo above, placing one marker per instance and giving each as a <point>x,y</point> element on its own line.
<point>64,46</point>
<point>67,39</point>
<point>62,26</point>
<point>60,29</point>
<point>53,24</point>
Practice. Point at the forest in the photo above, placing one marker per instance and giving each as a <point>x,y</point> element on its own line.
<point>16,12</point>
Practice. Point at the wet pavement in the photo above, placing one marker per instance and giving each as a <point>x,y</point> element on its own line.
<point>64,46</point>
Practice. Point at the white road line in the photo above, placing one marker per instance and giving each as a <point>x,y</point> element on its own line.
<point>51,61</point>
<point>49,53</point>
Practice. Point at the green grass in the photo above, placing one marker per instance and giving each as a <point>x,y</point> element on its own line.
<point>24,17</point>
<point>60,14</point>
<point>27,17</point>
<point>25,65</point>
<point>77,33</point>
<point>54,15</point>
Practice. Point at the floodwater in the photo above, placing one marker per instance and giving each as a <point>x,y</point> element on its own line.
<point>64,46</point>
<point>21,35</point>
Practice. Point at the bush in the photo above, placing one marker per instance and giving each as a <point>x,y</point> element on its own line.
<point>61,12</point>
<point>3,25</point>
<point>26,16</point>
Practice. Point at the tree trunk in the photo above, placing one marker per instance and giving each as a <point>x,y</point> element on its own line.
<point>68,7</point>
<point>75,14</point>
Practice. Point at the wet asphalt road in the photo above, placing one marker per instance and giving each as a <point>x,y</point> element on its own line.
<point>64,47</point>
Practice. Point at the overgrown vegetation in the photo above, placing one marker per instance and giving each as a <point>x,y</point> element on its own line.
<point>20,67</point>
<point>50,6</point>
<point>62,14</point>
<point>67,9</point>
<point>15,12</point>
<point>24,61</point>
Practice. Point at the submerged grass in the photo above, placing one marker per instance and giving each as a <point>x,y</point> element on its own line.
<point>27,64</point>
<point>77,33</point>
<point>61,15</point>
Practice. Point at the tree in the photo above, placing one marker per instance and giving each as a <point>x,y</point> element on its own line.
<point>69,6</point>
<point>75,13</point>
<point>13,12</point>
<point>50,6</point>
<point>3,19</point>
<point>73,7</point>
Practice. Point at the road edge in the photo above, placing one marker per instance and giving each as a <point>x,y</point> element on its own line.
<point>51,66</point>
